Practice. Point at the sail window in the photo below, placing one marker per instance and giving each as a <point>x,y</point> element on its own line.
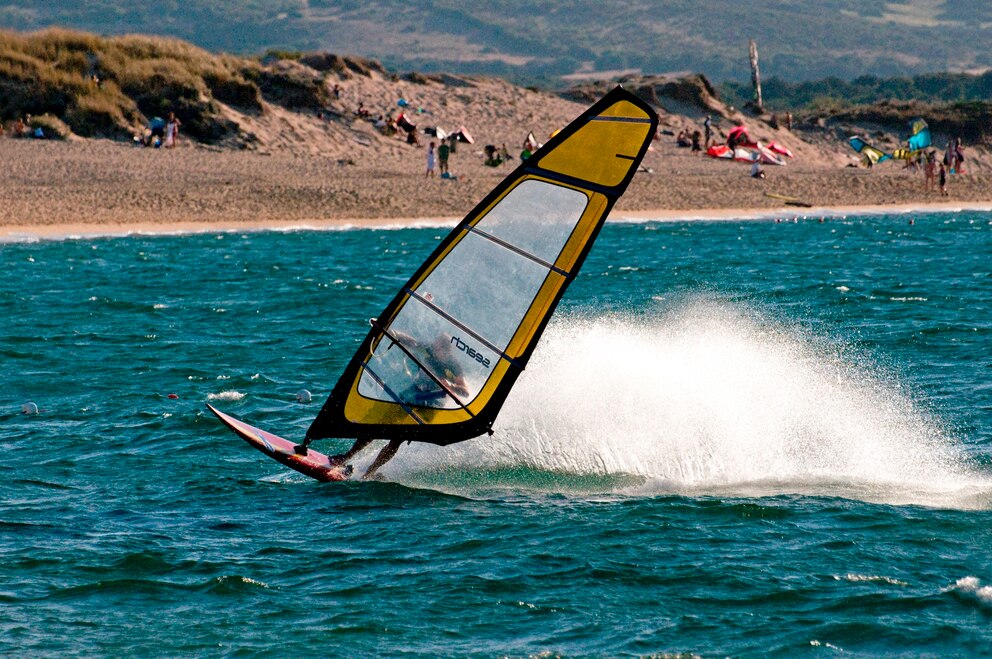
<point>475,299</point>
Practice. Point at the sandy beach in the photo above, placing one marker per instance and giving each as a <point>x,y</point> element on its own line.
<point>308,171</point>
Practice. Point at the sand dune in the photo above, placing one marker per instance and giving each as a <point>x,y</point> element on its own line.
<point>303,169</point>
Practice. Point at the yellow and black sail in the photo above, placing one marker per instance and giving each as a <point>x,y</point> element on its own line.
<point>441,359</point>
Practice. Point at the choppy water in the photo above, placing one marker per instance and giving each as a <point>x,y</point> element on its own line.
<point>735,438</point>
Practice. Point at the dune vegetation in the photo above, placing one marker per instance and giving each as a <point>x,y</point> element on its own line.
<point>111,86</point>
<point>76,83</point>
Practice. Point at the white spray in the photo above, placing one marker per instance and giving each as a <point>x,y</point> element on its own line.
<point>710,401</point>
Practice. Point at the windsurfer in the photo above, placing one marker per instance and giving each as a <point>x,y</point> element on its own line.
<point>436,356</point>
<point>439,358</point>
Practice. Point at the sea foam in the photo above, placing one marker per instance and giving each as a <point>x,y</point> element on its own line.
<point>226,396</point>
<point>711,400</point>
<point>972,588</point>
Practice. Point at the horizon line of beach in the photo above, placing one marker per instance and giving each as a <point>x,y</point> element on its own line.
<point>67,231</point>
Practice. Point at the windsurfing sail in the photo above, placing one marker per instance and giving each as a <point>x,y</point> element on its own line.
<point>918,140</point>
<point>869,155</point>
<point>441,358</point>
<point>758,153</point>
<point>738,134</point>
<point>462,135</point>
<point>919,137</point>
<point>781,149</point>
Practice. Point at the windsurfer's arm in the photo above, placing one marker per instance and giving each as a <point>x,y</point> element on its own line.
<point>457,384</point>
<point>401,337</point>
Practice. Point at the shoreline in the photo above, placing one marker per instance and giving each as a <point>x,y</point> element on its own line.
<point>39,232</point>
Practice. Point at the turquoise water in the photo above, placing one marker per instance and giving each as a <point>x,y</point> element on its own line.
<point>735,438</point>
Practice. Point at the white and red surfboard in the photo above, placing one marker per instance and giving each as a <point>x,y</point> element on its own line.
<point>313,464</point>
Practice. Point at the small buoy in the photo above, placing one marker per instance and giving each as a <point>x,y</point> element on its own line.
<point>29,408</point>
<point>173,396</point>
<point>303,396</point>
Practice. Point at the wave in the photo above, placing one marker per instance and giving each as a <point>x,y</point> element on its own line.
<point>226,396</point>
<point>709,400</point>
<point>971,589</point>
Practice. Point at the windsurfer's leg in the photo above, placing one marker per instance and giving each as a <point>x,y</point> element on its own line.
<point>355,449</point>
<point>385,455</point>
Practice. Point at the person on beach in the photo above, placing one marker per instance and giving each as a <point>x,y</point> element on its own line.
<point>930,171</point>
<point>430,160</point>
<point>443,150</point>
<point>943,180</point>
<point>172,130</point>
<point>439,358</point>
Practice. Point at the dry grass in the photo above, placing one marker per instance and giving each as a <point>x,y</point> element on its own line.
<point>113,86</point>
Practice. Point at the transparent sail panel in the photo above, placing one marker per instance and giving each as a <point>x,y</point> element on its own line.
<point>459,361</point>
<point>475,300</point>
<point>485,287</point>
<point>537,217</point>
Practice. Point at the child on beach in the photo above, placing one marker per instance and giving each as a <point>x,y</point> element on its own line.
<point>172,130</point>
<point>430,160</point>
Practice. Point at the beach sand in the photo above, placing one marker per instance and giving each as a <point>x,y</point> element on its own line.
<point>310,172</point>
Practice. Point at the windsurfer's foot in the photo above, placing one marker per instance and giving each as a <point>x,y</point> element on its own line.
<point>300,449</point>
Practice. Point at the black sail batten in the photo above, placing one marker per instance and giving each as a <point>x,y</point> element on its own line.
<point>423,367</point>
<point>392,394</point>
<point>454,321</point>
<point>522,252</point>
<point>511,259</point>
<point>567,180</point>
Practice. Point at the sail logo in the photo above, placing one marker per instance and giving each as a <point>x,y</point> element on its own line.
<point>470,351</point>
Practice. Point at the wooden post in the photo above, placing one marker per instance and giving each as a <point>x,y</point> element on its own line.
<point>756,78</point>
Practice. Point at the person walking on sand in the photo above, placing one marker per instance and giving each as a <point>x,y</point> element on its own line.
<point>943,180</point>
<point>430,160</point>
<point>930,170</point>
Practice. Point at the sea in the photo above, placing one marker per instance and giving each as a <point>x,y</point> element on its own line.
<point>744,437</point>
